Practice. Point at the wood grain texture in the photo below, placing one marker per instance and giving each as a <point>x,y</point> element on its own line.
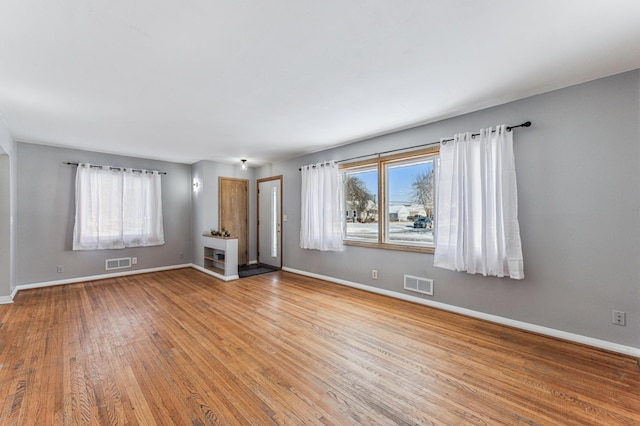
<point>233,212</point>
<point>184,348</point>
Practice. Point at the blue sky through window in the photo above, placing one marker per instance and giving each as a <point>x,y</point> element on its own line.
<point>400,177</point>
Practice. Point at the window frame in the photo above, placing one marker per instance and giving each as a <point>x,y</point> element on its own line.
<point>380,163</point>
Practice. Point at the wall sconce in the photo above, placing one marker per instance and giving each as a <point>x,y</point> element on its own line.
<point>197,185</point>
<point>244,166</point>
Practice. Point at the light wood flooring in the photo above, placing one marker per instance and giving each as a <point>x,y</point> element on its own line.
<point>183,348</point>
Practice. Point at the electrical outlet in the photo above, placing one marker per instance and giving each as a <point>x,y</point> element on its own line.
<point>134,260</point>
<point>619,318</point>
<point>60,269</point>
<point>374,274</point>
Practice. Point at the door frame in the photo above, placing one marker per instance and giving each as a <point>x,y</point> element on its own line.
<point>258,182</point>
<point>246,181</point>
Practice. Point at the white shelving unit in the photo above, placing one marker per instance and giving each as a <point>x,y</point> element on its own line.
<point>221,257</point>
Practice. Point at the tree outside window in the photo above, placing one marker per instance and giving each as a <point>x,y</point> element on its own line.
<point>361,187</point>
<point>399,215</point>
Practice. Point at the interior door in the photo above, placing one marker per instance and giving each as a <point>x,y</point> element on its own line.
<point>233,212</point>
<point>270,221</point>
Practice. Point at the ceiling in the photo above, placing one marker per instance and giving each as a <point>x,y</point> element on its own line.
<point>269,80</point>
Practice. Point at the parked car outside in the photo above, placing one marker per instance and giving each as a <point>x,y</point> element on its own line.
<point>423,222</point>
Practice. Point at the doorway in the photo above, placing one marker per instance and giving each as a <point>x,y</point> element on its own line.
<point>5,226</point>
<point>270,221</point>
<point>233,212</point>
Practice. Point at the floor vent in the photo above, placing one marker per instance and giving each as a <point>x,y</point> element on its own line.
<point>124,262</point>
<point>419,285</point>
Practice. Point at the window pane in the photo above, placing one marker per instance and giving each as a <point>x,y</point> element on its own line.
<point>410,201</point>
<point>274,221</point>
<point>361,189</point>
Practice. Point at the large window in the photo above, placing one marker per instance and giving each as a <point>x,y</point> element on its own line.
<point>117,208</point>
<point>390,201</point>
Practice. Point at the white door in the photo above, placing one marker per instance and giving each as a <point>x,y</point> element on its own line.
<point>270,221</point>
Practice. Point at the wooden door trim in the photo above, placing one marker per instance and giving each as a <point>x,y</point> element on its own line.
<point>246,181</point>
<point>258,182</point>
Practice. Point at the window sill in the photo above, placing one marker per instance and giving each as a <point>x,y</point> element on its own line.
<point>387,246</point>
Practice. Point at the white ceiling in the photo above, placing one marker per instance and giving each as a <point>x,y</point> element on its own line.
<point>269,80</point>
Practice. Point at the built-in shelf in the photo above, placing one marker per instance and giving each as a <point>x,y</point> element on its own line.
<point>221,256</point>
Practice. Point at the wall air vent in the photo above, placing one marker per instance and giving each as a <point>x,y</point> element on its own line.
<point>419,285</point>
<point>123,262</point>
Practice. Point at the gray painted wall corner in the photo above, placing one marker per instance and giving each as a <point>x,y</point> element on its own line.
<point>205,203</point>
<point>8,170</point>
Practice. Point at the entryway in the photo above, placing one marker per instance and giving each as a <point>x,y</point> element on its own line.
<point>270,222</point>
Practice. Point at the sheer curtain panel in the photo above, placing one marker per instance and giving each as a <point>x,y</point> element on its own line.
<point>321,207</point>
<point>477,206</point>
<point>117,208</point>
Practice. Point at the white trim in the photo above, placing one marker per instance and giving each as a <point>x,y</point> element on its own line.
<point>215,274</point>
<point>14,292</point>
<point>96,277</point>
<point>252,262</point>
<point>4,300</point>
<point>564,335</point>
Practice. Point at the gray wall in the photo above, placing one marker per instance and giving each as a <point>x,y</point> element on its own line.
<point>579,201</point>
<point>5,225</point>
<point>205,203</point>
<point>46,209</point>
<point>7,211</point>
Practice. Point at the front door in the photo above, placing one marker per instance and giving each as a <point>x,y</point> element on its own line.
<point>270,221</point>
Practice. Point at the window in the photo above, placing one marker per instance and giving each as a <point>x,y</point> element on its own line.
<point>274,220</point>
<point>390,201</point>
<point>361,190</point>
<point>117,208</point>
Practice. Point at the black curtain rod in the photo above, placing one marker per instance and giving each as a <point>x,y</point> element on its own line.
<point>509,128</point>
<point>117,168</point>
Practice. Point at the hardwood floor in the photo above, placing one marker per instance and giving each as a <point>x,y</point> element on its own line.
<point>183,348</point>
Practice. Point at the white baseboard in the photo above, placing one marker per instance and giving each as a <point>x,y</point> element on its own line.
<point>215,274</point>
<point>6,299</point>
<point>95,277</point>
<point>564,335</point>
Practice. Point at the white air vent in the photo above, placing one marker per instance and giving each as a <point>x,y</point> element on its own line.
<point>124,262</point>
<point>419,285</point>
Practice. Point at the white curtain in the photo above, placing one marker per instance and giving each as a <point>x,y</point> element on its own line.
<point>322,209</point>
<point>477,206</point>
<point>117,208</point>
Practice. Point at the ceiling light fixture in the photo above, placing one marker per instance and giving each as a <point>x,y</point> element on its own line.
<point>244,164</point>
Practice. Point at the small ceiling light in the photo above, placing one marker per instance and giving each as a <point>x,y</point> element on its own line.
<point>244,164</point>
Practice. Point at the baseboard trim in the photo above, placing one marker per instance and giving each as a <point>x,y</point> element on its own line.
<point>215,274</point>
<point>552,332</point>
<point>4,300</point>
<point>96,277</point>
